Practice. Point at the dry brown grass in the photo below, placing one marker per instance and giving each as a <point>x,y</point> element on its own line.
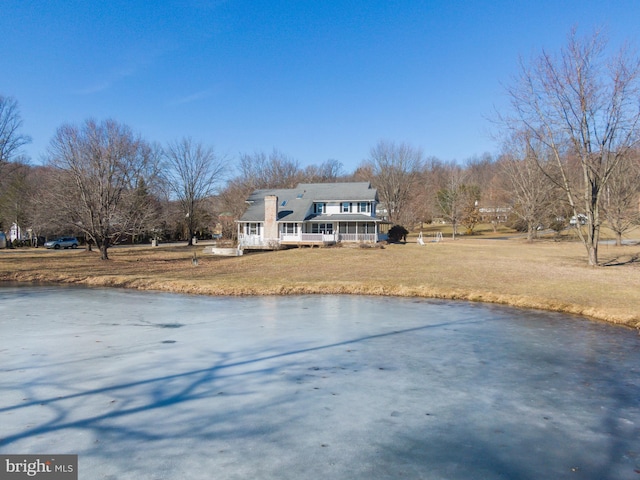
<point>545,275</point>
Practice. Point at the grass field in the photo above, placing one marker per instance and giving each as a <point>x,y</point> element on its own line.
<point>545,274</point>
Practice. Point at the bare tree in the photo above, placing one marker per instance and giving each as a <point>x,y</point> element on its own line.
<point>432,179</point>
<point>583,105</point>
<point>483,173</point>
<point>11,140</point>
<point>193,173</point>
<point>528,190</point>
<point>40,219</point>
<point>449,196</point>
<point>232,205</point>
<point>14,195</point>
<point>481,170</point>
<point>396,171</point>
<point>329,171</point>
<point>275,170</point>
<point>10,123</point>
<point>22,202</point>
<point>621,197</point>
<point>98,167</point>
<point>422,200</point>
<point>469,195</point>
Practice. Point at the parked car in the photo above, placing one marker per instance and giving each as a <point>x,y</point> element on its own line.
<point>580,219</point>
<point>62,242</point>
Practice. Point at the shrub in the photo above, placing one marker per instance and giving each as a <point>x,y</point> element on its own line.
<point>398,233</point>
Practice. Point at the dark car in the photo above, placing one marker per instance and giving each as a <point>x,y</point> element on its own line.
<point>62,242</point>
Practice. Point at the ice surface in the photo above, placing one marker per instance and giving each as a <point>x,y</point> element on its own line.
<point>156,386</point>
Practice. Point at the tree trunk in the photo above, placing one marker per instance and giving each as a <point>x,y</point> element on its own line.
<point>593,236</point>
<point>103,251</point>
<point>593,255</point>
<point>531,230</point>
<point>618,239</point>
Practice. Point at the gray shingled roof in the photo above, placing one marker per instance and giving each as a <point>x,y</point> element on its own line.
<point>298,201</point>
<point>342,217</point>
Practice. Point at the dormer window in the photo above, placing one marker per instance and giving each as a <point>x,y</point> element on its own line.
<point>319,208</point>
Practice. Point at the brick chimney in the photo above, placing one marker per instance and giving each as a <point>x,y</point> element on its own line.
<point>270,217</point>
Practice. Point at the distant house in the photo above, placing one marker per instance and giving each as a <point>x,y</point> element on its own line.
<point>494,214</point>
<point>15,232</point>
<point>311,214</point>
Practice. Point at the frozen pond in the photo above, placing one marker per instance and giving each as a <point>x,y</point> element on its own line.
<point>156,386</point>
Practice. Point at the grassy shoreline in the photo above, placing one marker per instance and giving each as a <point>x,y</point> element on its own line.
<point>543,275</point>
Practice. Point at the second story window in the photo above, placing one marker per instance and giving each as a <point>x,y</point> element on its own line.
<point>364,207</point>
<point>346,207</point>
<point>319,208</point>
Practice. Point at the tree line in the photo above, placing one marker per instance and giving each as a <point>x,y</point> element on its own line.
<point>569,150</point>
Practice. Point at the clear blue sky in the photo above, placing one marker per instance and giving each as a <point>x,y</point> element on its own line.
<point>316,79</point>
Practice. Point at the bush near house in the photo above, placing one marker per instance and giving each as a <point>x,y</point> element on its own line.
<point>398,233</point>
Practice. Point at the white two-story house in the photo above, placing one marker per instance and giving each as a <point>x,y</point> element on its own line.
<point>311,214</point>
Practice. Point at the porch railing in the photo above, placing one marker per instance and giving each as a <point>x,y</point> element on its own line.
<point>357,237</point>
<point>250,241</point>
<point>309,237</point>
<point>258,241</point>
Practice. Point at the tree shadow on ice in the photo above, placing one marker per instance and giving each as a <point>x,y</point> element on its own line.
<point>197,403</point>
<point>250,399</point>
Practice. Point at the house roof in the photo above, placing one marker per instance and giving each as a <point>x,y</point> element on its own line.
<point>294,204</point>
<point>343,217</point>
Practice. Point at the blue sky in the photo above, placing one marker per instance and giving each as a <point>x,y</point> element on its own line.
<point>315,79</point>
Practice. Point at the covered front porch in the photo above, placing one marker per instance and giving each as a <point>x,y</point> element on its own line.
<point>311,233</point>
<point>326,230</point>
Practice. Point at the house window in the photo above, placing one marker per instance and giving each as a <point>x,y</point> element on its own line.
<point>319,208</point>
<point>326,228</point>
<point>349,227</point>
<point>364,207</point>
<point>346,207</point>
<point>289,228</point>
<point>253,229</point>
